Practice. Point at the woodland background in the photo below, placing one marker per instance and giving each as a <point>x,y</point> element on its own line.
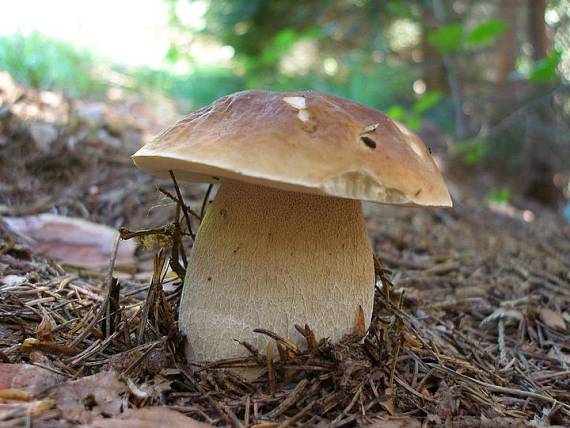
<point>486,82</point>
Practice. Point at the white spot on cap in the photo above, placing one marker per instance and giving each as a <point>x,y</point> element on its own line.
<point>296,102</point>
<point>403,129</point>
<point>410,139</point>
<point>304,115</point>
<point>416,148</point>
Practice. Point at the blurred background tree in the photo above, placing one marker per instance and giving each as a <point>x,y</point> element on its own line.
<point>484,81</point>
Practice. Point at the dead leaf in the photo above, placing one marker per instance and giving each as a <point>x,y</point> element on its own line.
<point>84,399</point>
<point>15,394</point>
<point>470,292</point>
<point>149,417</point>
<point>13,413</point>
<point>72,241</point>
<point>44,330</point>
<point>9,89</point>
<point>446,401</point>
<point>27,378</point>
<point>388,404</point>
<point>43,134</point>
<point>91,115</point>
<point>32,344</point>
<point>552,319</point>
<point>12,280</point>
<point>560,356</point>
<point>405,422</point>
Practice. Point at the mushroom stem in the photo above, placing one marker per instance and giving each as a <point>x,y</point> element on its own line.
<point>267,258</point>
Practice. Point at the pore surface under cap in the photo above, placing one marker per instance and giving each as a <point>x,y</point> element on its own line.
<point>300,141</point>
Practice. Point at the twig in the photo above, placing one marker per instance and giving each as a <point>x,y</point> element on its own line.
<point>290,400</point>
<point>205,201</point>
<point>182,204</point>
<point>501,389</point>
<point>105,303</point>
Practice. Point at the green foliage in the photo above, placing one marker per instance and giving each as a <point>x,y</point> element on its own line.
<point>447,38</point>
<point>499,196</point>
<point>412,117</point>
<point>452,38</point>
<point>400,9</point>
<point>472,151</point>
<point>281,43</point>
<point>545,70</point>
<point>427,101</point>
<point>397,112</point>
<point>485,32</point>
<point>44,63</point>
<point>173,54</point>
<point>202,86</point>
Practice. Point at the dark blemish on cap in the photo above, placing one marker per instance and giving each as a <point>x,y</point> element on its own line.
<point>368,141</point>
<point>418,192</point>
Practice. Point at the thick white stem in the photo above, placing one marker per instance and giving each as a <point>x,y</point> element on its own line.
<point>267,258</point>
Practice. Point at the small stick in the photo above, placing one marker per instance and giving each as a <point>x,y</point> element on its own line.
<point>290,400</point>
<point>105,303</point>
<point>501,389</point>
<point>175,199</point>
<point>205,201</point>
<point>270,369</point>
<point>287,343</point>
<point>182,204</point>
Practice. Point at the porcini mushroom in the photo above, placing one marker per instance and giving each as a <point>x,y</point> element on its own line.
<point>284,242</point>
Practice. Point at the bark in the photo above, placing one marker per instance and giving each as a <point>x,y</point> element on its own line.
<point>434,69</point>
<point>538,35</point>
<point>508,49</point>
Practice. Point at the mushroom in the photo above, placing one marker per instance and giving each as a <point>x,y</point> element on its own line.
<point>284,242</point>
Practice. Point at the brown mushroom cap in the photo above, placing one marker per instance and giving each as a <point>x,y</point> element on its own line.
<point>299,141</point>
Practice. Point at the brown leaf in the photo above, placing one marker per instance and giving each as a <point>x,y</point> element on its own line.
<point>15,394</point>
<point>43,134</point>
<point>149,417</point>
<point>44,330</point>
<point>552,319</point>
<point>27,378</point>
<point>72,240</point>
<point>91,396</point>
<point>405,422</point>
<point>32,344</point>
<point>388,404</point>
<point>560,356</point>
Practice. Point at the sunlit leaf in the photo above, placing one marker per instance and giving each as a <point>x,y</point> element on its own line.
<point>396,112</point>
<point>500,197</point>
<point>172,55</point>
<point>486,32</point>
<point>399,8</point>
<point>413,121</point>
<point>427,101</point>
<point>545,69</point>
<point>471,151</point>
<point>447,38</point>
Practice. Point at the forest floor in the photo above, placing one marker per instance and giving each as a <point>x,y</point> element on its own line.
<point>471,324</point>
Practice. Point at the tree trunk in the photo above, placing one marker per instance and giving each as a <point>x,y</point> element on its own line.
<point>508,49</point>
<point>538,36</point>
<point>434,70</point>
